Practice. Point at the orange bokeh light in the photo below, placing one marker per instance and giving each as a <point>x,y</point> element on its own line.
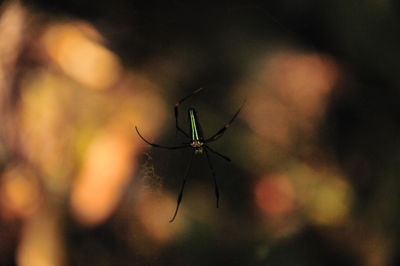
<point>288,95</point>
<point>302,80</point>
<point>103,177</point>
<point>274,195</point>
<point>41,242</point>
<point>154,210</point>
<point>19,192</point>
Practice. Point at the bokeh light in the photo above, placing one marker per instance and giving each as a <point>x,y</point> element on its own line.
<point>105,173</point>
<point>41,241</point>
<point>20,192</point>
<point>288,94</point>
<point>80,56</point>
<point>154,209</point>
<point>274,195</point>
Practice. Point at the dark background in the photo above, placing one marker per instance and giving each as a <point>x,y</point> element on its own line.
<point>182,46</point>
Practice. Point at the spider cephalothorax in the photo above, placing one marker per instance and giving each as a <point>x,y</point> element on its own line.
<point>197,145</point>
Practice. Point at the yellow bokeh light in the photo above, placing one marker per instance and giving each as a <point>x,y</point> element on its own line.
<point>330,202</point>
<point>326,197</point>
<point>81,57</point>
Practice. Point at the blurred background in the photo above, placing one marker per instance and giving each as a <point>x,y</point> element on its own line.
<point>314,177</point>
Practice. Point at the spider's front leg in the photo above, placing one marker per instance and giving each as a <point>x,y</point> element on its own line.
<point>160,146</point>
<point>176,113</point>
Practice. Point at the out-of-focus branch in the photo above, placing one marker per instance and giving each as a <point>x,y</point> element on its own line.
<point>12,31</point>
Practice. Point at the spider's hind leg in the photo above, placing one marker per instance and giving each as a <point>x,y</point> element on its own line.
<point>214,177</point>
<point>182,187</point>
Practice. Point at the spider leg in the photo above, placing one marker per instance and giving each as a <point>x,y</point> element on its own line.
<point>183,186</point>
<point>178,128</point>
<point>217,153</point>
<point>160,146</point>
<point>176,122</point>
<point>222,130</point>
<point>214,177</point>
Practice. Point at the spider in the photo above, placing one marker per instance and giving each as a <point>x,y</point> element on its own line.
<point>197,142</point>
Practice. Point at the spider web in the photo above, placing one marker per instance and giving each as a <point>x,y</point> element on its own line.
<point>148,175</point>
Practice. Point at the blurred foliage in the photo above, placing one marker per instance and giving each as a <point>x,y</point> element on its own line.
<point>314,172</point>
